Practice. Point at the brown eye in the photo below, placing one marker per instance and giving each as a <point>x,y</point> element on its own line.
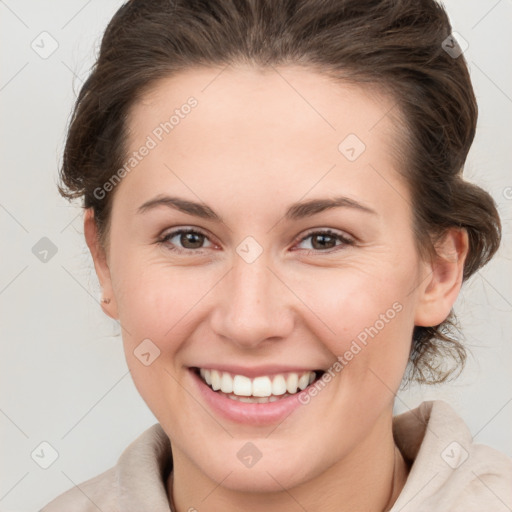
<point>192,240</point>
<point>184,240</point>
<point>323,241</point>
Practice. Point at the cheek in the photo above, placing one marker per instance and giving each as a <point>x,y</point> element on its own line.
<point>157,300</point>
<point>157,307</point>
<point>369,313</point>
<point>353,300</point>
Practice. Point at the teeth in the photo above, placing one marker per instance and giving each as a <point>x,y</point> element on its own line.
<point>261,386</point>
<point>226,383</point>
<point>292,383</point>
<point>260,389</point>
<point>215,378</point>
<point>255,400</point>
<point>206,376</point>
<point>242,386</point>
<point>279,385</point>
<point>303,381</point>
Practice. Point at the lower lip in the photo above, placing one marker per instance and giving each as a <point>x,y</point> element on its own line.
<point>242,412</point>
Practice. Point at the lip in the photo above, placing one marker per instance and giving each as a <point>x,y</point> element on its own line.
<point>245,413</point>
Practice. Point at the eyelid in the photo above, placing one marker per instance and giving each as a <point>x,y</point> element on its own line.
<point>345,237</point>
<point>345,242</point>
<point>177,229</point>
<point>164,238</point>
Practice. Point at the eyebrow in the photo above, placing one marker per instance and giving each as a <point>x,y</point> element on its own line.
<point>296,211</point>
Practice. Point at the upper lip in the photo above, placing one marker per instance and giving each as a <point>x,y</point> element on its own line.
<point>256,371</point>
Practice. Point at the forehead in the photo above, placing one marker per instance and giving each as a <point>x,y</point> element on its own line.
<point>275,98</point>
<point>285,126</point>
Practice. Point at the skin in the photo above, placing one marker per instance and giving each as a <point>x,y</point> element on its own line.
<point>253,146</point>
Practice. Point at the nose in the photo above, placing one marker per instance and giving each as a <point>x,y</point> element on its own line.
<point>254,306</point>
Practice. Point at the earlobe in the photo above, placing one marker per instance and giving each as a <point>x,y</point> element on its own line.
<point>442,284</point>
<point>101,266</point>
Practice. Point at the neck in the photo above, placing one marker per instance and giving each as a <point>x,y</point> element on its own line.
<point>370,477</point>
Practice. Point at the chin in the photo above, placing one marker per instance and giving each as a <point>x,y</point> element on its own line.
<point>261,481</point>
<point>268,474</point>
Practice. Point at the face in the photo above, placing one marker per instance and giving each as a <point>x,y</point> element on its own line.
<point>280,248</point>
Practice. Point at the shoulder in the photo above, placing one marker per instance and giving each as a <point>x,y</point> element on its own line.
<point>449,472</point>
<point>98,493</point>
<point>136,482</point>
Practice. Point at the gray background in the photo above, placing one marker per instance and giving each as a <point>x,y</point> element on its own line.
<point>64,379</point>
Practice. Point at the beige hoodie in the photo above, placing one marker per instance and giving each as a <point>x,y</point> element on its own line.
<point>449,473</point>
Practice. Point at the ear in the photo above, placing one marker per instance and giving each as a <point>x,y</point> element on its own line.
<point>100,259</point>
<point>444,273</point>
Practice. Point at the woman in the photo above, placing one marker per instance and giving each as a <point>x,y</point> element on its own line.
<point>276,213</point>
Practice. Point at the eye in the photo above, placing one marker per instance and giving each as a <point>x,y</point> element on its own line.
<point>192,240</point>
<point>325,240</point>
<point>184,240</point>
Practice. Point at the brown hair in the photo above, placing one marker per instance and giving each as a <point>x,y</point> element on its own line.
<point>397,46</point>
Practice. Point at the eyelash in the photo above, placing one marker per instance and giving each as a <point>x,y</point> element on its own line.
<point>345,241</point>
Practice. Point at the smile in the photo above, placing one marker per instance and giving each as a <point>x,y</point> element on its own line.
<point>261,389</point>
